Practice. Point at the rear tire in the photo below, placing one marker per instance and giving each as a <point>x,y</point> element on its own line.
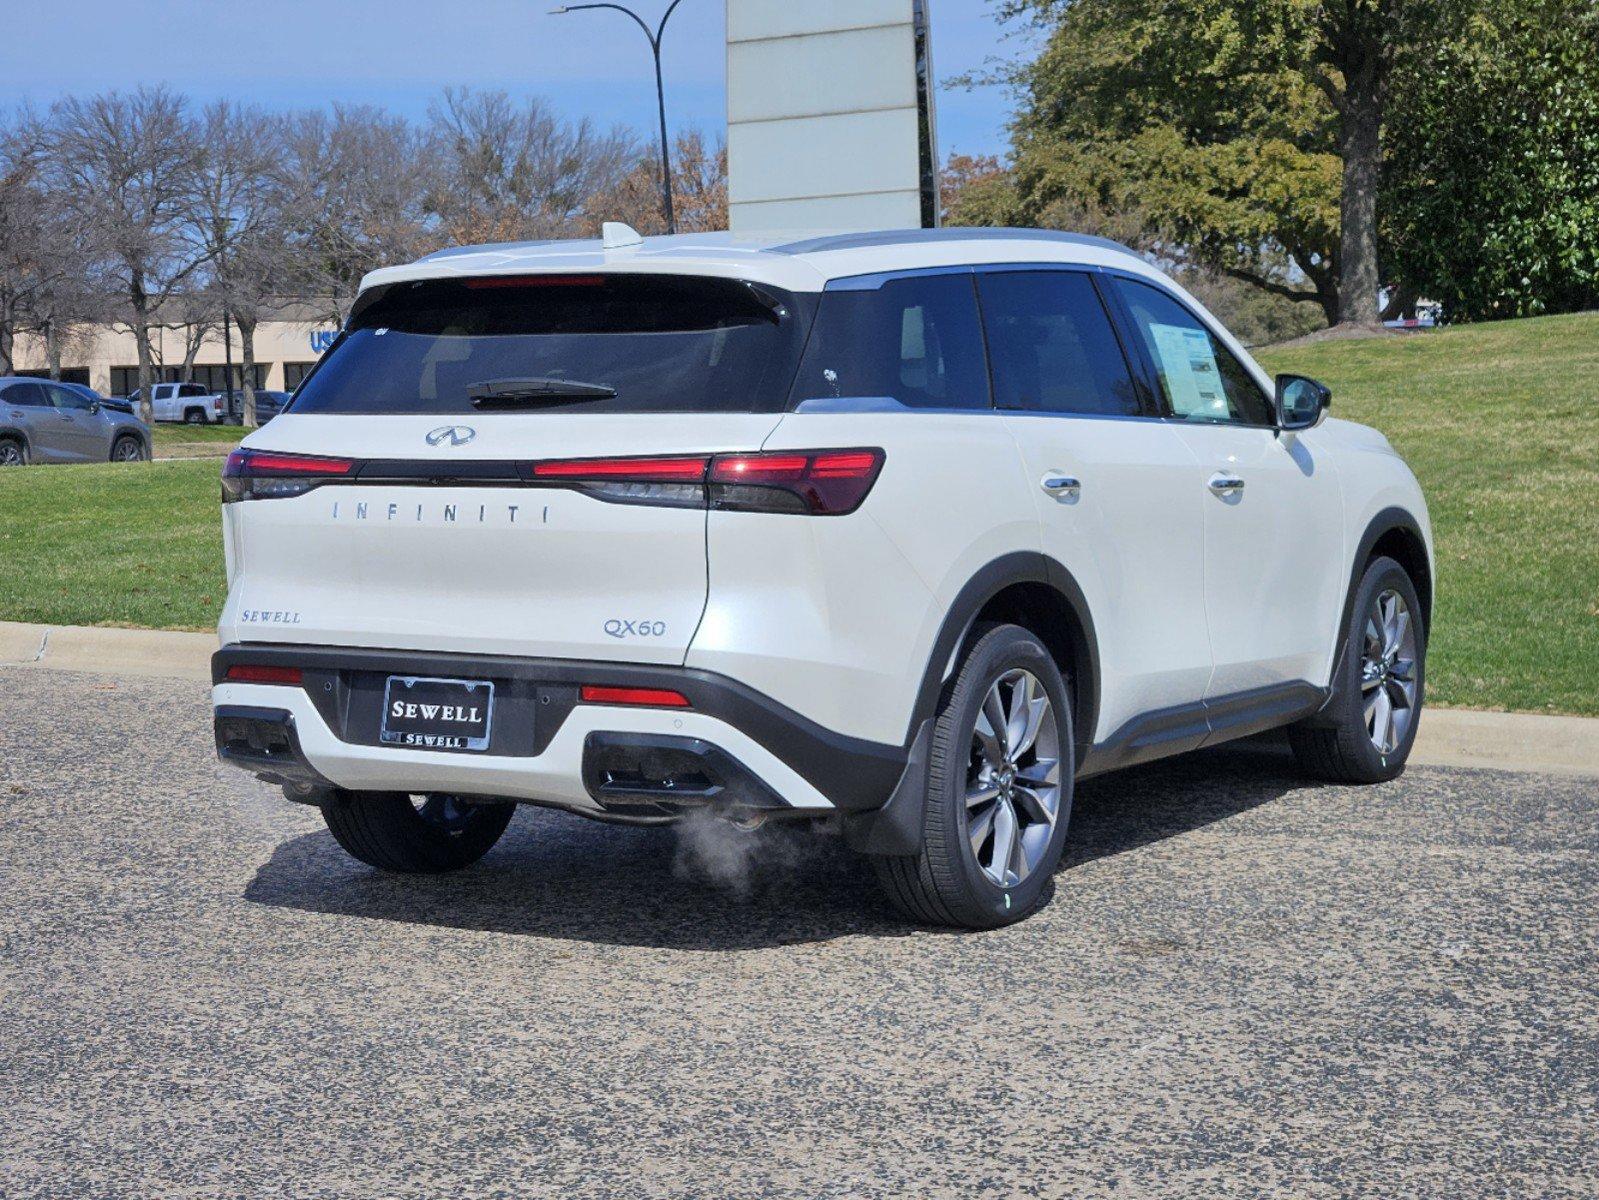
<point>194,416</point>
<point>999,791</point>
<point>389,831</point>
<point>1377,695</point>
<point>13,453</point>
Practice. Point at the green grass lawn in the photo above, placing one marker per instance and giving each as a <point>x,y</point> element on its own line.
<point>171,435</point>
<point>119,544</point>
<point>1501,424</point>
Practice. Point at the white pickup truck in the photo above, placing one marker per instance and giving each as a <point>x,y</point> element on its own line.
<point>191,403</point>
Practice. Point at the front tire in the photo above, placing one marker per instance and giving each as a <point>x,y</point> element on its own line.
<point>128,449</point>
<point>1365,733</point>
<point>999,790</point>
<point>425,836</point>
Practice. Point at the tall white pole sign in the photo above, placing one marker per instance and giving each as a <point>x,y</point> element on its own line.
<point>830,122</point>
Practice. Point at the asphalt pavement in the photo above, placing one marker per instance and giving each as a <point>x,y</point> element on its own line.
<point>1243,985</point>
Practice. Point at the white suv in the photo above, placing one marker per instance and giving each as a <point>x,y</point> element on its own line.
<point>909,530</point>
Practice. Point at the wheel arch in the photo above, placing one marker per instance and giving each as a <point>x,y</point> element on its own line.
<point>1030,589</point>
<point>1394,533</point>
<point>14,433</point>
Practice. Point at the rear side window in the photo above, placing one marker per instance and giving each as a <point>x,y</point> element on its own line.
<point>26,395</point>
<point>1051,346</point>
<point>1199,376</point>
<point>916,340</point>
<point>661,343</point>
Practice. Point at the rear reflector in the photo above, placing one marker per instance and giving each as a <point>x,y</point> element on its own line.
<point>257,673</point>
<point>640,697</point>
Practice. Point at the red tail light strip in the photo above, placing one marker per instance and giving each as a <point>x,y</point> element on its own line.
<point>266,462</point>
<point>256,673</point>
<point>634,696</point>
<point>629,470</point>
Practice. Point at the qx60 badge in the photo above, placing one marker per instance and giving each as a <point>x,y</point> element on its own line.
<point>451,435</point>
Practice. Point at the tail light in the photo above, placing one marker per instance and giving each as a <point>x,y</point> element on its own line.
<point>264,475</point>
<point>822,482</point>
<point>635,696</point>
<point>678,482</point>
<point>814,482</point>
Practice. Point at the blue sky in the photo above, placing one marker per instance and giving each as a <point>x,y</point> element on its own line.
<point>401,53</point>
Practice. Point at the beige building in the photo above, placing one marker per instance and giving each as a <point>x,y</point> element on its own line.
<point>105,358</point>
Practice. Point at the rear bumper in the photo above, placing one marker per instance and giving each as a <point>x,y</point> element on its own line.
<point>732,746</point>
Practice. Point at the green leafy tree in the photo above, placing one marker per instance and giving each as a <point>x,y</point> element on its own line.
<point>1246,133</point>
<point>1491,196</point>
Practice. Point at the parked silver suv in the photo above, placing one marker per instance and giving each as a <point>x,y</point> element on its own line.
<point>42,422</point>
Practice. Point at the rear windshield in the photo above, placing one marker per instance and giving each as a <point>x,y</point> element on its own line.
<point>661,343</point>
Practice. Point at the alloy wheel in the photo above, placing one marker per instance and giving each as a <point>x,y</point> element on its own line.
<point>128,450</point>
<point>1388,685</point>
<point>444,811</point>
<point>10,455</point>
<point>1013,780</point>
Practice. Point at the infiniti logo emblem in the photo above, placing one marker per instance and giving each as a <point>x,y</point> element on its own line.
<point>454,435</point>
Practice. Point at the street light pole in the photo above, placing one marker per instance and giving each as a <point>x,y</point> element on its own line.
<point>660,93</point>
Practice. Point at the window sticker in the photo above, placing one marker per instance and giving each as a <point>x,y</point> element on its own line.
<point>1188,366</point>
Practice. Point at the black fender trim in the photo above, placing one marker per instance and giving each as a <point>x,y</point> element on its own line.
<point>1020,567</point>
<point>896,828</point>
<point>1385,522</point>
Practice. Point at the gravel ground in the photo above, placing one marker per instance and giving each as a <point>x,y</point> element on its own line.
<point>1243,986</point>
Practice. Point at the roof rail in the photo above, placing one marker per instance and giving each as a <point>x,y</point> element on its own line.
<point>897,237</point>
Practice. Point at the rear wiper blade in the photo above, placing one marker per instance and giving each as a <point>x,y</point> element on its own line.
<point>491,393</point>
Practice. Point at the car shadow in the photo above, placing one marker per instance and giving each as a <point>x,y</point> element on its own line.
<point>709,886</point>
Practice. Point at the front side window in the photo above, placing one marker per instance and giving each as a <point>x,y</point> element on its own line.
<point>916,340</point>
<point>1200,378</point>
<point>66,398</point>
<point>583,343</point>
<point>1051,345</point>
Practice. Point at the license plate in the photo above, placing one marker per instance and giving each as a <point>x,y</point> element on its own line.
<point>437,714</point>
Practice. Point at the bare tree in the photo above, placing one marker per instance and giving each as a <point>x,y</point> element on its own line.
<point>241,217</point>
<point>510,172</point>
<point>47,255</point>
<point>125,166</point>
<point>358,181</point>
<point>699,189</point>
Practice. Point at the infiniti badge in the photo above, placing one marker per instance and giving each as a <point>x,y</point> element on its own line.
<point>455,435</point>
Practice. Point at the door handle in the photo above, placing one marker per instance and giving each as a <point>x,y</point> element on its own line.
<point>1225,483</point>
<point>1057,484</point>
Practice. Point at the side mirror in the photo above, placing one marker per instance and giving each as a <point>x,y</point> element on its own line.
<point>94,406</point>
<point>1301,402</point>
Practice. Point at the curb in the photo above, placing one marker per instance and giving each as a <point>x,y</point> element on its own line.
<point>1462,737</point>
<point>132,652</point>
<point>1449,737</point>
